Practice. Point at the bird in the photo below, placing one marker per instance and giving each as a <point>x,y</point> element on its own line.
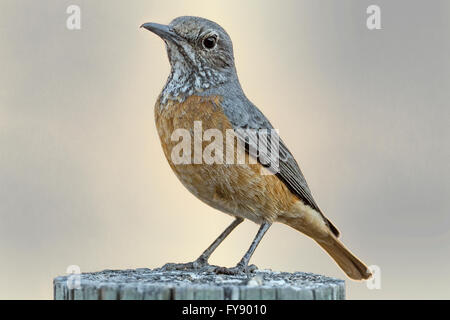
<point>203,88</point>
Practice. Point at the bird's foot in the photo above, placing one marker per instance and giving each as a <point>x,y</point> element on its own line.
<point>198,264</point>
<point>239,269</point>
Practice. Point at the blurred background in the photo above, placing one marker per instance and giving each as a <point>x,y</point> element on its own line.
<point>83,180</point>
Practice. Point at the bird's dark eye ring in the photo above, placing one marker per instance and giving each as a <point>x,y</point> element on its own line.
<point>210,42</point>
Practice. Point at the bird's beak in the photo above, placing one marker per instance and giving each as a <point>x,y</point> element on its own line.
<point>165,32</point>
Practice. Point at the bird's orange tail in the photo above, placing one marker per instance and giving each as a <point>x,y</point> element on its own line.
<point>349,263</point>
<point>325,237</point>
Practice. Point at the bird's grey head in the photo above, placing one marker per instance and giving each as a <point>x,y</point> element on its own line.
<point>200,54</point>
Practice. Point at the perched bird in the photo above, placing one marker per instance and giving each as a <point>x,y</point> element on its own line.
<point>203,87</point>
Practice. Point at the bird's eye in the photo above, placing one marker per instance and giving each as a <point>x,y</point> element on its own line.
<point>209,42</point>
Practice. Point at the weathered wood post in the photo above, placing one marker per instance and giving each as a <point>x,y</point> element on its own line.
<point>157,284</point>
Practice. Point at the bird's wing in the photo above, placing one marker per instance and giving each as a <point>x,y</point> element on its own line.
<point>248,116</point>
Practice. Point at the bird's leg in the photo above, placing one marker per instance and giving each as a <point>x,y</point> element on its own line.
<point>242,266</point>
<point>202,261</point>
<point>207,253</point>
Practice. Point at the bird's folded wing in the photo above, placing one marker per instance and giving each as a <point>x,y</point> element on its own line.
<point>249,117</point>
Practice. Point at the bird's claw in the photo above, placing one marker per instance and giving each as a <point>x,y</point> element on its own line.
<point>239,269</point>
<point>194,265</point>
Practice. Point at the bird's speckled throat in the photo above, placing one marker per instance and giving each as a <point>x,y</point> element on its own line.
<point>188,76</point>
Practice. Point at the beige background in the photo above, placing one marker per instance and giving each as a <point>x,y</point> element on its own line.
<point>83,179</point>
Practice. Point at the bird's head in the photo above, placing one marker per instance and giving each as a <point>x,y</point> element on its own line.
<point>198,48</point>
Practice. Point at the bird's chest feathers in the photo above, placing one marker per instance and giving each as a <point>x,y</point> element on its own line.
<point>186,123</point>
<point>193,116</point>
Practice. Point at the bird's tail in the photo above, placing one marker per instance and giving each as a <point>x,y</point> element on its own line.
<point>348,262</point>
<point>324,236</point>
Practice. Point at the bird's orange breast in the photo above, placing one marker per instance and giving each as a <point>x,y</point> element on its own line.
<point>237,189</point>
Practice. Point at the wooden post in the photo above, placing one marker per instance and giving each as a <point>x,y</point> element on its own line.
<point>157,284</point>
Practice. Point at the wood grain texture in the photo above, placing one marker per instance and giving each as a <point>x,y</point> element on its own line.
<point>146,284</point>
